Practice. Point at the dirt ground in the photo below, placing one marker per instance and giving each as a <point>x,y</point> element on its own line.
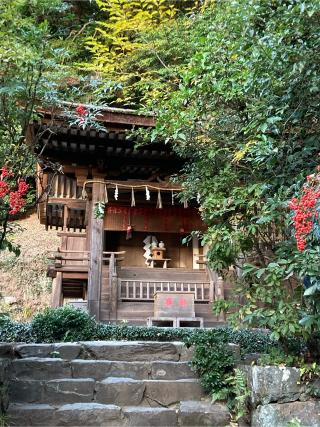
<point>24,287</point>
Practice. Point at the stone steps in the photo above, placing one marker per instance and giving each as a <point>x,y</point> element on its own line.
<point>113,383</point>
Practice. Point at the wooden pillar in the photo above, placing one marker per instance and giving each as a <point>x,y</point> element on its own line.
<point>95,234</point>
<point>57,290</point>
<point>65,217</point>
<point>195,253</point>
<point>113,287</point>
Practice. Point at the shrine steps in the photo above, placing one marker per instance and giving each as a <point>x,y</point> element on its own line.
<point>108,383</point>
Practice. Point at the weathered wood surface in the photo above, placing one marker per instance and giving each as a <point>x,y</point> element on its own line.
<point>174,304</point>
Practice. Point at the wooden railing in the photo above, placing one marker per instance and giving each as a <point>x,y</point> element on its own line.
<point>65,260</point>
<point>143,290</point>
<point>60,215</point>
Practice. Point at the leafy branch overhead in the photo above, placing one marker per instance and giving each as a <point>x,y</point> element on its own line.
<point>124,47</point>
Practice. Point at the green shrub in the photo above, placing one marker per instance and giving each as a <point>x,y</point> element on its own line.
<point>251,340</point>
<point>11,331</point>
<point>63,324</point>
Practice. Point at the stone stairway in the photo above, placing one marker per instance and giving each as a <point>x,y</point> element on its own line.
<point>108,383</point>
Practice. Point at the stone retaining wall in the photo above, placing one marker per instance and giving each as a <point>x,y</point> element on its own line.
<point>278,397</point>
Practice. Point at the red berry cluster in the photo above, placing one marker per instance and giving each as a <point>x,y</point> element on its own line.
<point>4,189</point>
<point>305,210</point>
<point>81,110</point>
<point>14,190</point>
<point>16,200</point>
<point>4,172</point>
<point>22,187</point>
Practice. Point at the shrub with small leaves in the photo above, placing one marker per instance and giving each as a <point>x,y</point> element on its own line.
<point>11,331</point>
<point>63,324</point>
<point>212,363</point>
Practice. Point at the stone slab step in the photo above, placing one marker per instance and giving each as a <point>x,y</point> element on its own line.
<point>48,369</point>
<point>188,413</point>
<point>56,391</point>
<point>111,390</point>
<point>40,369</point>
<point>104,350</point>
<point>169,392</point>
<point>203,413</point>
<point>76,414</point>
<point>101,369</point>
<point>132,350</point>
<point>66,351</point>
<point>153,393</point>
<point>145,417</point>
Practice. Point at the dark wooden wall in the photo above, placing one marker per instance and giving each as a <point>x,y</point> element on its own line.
<point>152,220</point>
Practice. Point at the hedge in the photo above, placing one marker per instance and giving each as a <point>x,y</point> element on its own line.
<point>70,324</point>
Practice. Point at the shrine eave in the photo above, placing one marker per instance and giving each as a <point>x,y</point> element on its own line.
<point>107,115</point>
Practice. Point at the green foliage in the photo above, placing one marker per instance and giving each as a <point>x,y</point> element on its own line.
<point>36,64</point>
<point>212,363</point>
<point>63,324</point>
<point>309,372</point>
<point>4,420</point>
<point>127,29</point>
<point>11,331</point>
<point>116,37</point>
<point>274,297</point>
<point>99,209</point>
<point>235,392</point>
<point>245,149</point>
<point>277,356</point>
<point>281,305</point>
<point>295,422</point>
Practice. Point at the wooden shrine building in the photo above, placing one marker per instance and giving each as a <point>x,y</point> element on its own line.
<point>120,220</point>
